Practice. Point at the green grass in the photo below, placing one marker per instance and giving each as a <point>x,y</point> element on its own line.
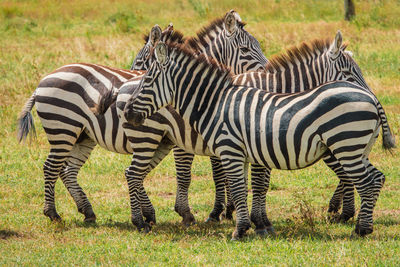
<point>36,40</point>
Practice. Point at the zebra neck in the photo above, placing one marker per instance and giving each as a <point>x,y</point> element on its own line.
<point>198,94</point>
<point>297,75</point>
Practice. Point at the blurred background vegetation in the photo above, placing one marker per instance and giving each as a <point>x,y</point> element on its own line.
<point>37,37</point>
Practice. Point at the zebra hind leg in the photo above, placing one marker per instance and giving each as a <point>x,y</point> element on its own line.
<point>51,169</point>
<point>365,186</point>
<point>78,156</point>
<point>343,195</point>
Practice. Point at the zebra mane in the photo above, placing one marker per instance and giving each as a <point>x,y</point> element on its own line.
<point>299,53</point>
<point>211,66</point>
<point>168,37</point>
<point>205,34</point>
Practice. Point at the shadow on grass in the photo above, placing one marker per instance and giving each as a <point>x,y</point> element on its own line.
<point>6,234</point>
<point>285,229</point>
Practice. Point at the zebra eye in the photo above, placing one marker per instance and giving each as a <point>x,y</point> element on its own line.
<point>244,49</point>
<point>347,73</point>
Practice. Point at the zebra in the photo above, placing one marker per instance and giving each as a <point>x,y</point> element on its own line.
<point>300,68</point>
<point>245,124</point>
<point>89,129</point>
<point>243,50</point>
<point>65,102</point>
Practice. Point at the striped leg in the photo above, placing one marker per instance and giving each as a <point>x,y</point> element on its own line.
<point>78,156</point>
<point>51,168</point>
<point>366,188</point>
<point>183,164</point>
<point>260,176</point>
<point>220,185</point>
<point>62,142</point>
<point>344,193</point>
<point>230,206</point>
<point>145,157</point>
<point>235,169</point>
<point>135,174</point>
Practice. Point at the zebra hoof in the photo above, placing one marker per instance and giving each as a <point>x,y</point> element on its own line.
<point>227,216</point>
<point>343,218</point>
<point>90,219</point>
<point>188,220</point>
<point>271,231</point>
<point>362,231</point>
<point>145,228</point>
<point>211,220</point>
<point>261,232</point>
<point>151,221</point>
<point>150,217</point>
<point>53,215</point>
<point>334,217</point>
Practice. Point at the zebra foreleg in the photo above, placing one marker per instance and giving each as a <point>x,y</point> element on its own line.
<point>234,169</point>
<point>220,185</point>
<point>134,177</point>
<point>260,177</point>
<point>183,164</point>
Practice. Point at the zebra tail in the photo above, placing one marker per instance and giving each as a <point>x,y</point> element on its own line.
<point>105,101</point>
<point>25,121</point>
<point>389,141</point>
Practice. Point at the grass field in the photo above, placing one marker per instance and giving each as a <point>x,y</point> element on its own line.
<point>39,36</point>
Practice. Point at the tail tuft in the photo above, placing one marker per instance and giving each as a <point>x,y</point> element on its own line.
<point>25,121</point>
<point>389,141</point>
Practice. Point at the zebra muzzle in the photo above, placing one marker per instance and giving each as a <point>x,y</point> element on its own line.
<point>134,118</point>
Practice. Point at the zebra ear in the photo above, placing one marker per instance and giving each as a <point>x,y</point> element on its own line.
<point>230,21</point>
<point>170,27</point>
<point>337,44</point>
<point>349,53</point>
<point>161,52</point>
<point>155,35</point>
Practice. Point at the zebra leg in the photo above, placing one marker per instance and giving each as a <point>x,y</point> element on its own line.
<point>344,193</point>
<point>145,157</point>
<point>134,177</point>
<point>78,156</point>
<point>260,176</point>
<point>378,177</point>
<point>219,182</point>
<point>51,168</point>
<point>230,206</point>
<point>363,181</point>
<point>62,142</point>
<point>146,207</point>
<point>148,211</point>
<point>183,164</point>
<point>235,168</point>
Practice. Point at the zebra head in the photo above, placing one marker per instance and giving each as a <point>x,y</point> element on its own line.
<point>242,51</point>
<point>154,90</point>
<point>143,59</point>
<point>226,42</point>
<point>341,65</point>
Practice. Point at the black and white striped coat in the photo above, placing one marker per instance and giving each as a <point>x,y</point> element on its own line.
<point>65,102</point>
<point>245,124</point>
